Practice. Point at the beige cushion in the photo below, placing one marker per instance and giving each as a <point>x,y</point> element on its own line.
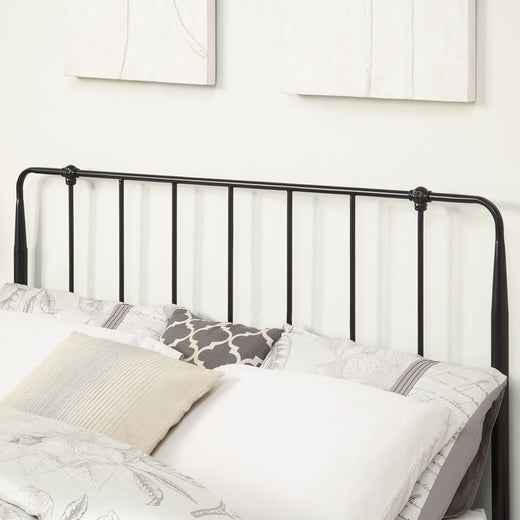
<point>130,394</point>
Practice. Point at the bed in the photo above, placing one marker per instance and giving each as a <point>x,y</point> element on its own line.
<point>274,439</point>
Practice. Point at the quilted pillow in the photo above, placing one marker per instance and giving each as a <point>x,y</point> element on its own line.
<point>212,344</point>
<point>473,394</point>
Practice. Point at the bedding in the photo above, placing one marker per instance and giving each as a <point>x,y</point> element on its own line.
<point>32,336</point>
<point>26,339</point>
<point>477,514</point>
<point>284,446</point>
<point>200,342</point>
<point>133,395</point>
<point>450,483</point>
<point>141,320</point>
<point>49,470</point>
<point>212,344</point>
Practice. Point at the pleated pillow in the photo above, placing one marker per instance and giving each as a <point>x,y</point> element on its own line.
<point>130,394</point>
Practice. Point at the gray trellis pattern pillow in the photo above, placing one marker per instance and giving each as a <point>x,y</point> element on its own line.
<point>212,344</point>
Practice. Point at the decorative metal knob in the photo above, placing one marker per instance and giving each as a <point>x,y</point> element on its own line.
<point>420,197</point>
<point>70,173</point>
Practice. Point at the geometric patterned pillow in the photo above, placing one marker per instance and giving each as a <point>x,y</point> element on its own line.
<point>212,344</point>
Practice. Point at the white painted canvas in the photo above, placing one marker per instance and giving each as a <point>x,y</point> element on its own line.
<point>169,41</point>
<point>404,49</point>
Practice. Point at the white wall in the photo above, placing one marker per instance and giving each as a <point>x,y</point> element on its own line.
<point>246,127</point>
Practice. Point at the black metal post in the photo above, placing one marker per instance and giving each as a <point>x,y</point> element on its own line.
<point>71,237</point>
<point>121,240</point>
<point>289,316</point>
<point>231,238</point>
<point>352,267</point>
<point>420,282</point>
<point>20,234</point>
<point>499,358</point>
<point>71,174</point>
<point>420,197</point>
<point>174,243</point>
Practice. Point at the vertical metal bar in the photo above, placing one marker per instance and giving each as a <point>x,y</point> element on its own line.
<point>231,233</point>
<point>353,267</point>
<point>121,240</point>
<point>289,256</point>
<point>420,282</point>
<point>71,237</point>
<point>174,243</point>
<point>420,196</point>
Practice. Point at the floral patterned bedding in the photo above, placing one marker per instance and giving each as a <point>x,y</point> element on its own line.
<point>50,470</point>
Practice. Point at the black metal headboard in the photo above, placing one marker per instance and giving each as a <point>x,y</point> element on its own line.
<point>420,197</point>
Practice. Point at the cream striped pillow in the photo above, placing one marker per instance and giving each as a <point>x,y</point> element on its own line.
<point>130,394</point>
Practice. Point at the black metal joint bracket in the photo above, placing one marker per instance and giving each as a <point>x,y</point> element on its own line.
<point>420,197</point>
<point>70,173</point>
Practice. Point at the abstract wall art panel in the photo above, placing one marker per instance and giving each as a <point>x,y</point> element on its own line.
<point>168,41</point>
<point>403,49</point>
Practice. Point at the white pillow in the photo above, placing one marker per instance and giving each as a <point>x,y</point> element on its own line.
<point>473,394</point>
<point>282,446</point>
<point>27,339</point>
